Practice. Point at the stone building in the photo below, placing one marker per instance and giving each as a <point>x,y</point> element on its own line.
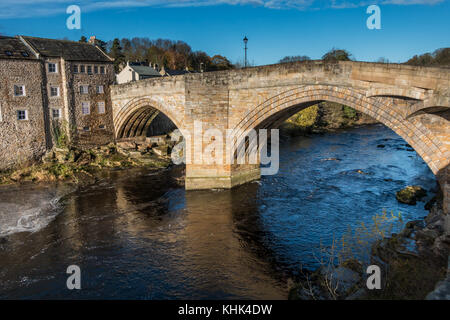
<point>48,84</point>
<point>77,80</point>
<point>22,110</point>
<point>136,71</point>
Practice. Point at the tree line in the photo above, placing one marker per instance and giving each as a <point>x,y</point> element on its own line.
<point>178,55</point>
<point>440,57</point>
<point>173,55</point>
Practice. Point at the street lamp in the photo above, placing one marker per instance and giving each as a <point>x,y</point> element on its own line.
<point>245,49</point>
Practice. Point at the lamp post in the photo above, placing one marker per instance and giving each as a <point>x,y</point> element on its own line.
<point>245,49</point>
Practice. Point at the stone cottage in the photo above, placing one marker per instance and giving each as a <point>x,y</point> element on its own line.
<point>133,71</point>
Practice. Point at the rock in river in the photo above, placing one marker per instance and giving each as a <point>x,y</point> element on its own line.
<point>411,194</point>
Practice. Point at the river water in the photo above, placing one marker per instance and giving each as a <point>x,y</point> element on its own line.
<point>134,236</point>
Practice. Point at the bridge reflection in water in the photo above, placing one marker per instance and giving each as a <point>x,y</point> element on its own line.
<point>137,236</point>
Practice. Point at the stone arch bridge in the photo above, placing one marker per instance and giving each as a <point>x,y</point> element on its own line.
<point>412,101</point>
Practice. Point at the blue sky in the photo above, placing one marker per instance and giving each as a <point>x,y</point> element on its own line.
<point>275,28</point>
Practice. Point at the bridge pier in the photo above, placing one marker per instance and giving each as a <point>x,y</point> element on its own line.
<point>201,177</point>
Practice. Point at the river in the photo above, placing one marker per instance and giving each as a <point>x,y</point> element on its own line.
<point>136,237</point>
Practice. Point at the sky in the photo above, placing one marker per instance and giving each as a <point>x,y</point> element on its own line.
<point>275,28</point>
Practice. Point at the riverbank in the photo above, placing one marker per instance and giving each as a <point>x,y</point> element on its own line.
<point>77,166</point>
<point>413,263</point>
<point>324,117</point>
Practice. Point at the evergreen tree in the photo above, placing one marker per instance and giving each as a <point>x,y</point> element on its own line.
<point>116,54</point>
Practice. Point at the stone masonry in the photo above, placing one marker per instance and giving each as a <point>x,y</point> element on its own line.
<point>21,140</point>
<point>412,101</point>
<point>40,89</point>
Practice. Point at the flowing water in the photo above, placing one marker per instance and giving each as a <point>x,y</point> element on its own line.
<point>135,236</point>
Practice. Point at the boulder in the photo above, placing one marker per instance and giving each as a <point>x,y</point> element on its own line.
<point>442,289</point>
<point>161,151</point>
<point>135,154</point>
<point>411,194</point>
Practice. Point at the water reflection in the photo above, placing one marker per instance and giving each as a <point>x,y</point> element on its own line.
<point>135,235</point>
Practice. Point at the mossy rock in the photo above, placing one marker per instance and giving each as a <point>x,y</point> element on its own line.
<point>411,194</point>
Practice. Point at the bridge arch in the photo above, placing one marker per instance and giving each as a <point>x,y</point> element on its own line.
<point>136,116</point>
<point>275,110</point>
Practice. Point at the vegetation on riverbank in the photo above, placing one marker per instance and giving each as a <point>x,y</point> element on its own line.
<point>411,261</point>
<point>75,165</point>
<point>323,117</point>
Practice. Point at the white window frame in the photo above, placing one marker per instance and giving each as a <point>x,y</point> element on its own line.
<point>25,112</point>
<point>77,68</point>
<point>82,68</point>
<point>83,105</point>
<point>95,69</point>
<point>53,64</point>
<point>103,105</point>
<point>23,90</point>
<point>102,70</point>
<point>57,91</point>
<point>82,89</point>
<point>59,113</point>
<point>102,89</point>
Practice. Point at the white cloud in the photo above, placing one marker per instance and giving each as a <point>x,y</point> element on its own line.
<point>33,8</point>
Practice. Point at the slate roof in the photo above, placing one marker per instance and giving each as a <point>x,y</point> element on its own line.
<point>145,71</point>
<point>177,72</point>
<point>14,48</point>
<point>69,50</point>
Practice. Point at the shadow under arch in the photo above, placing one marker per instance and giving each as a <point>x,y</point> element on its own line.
<point>274,111</point>
<point>135,117</point>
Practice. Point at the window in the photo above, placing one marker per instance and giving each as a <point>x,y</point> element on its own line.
<point>19,90</point>
<point>102,126</point>
<point>101,107</point>
<point>8,53</point>
<point>89,69</point>
<point>82,69</point>
<point>85,108</point>
<point>100,89</point>
<point>102,70</point>
<point>75,69</point>
<point>52,67</point>
<point>86,128</point>
<point>54,91</point>
<point>22,115</point>
<point>56,113</point>
<point>84,89</point>
<point>24,54</point>
<point>95,69</point>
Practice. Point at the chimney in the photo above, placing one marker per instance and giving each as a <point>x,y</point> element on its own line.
<point>92,40</point>
<point>162,71</point>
